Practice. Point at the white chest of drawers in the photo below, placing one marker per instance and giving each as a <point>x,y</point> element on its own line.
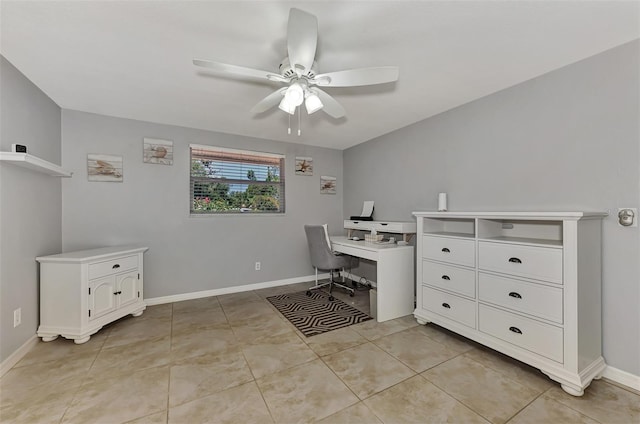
<point>523,283</point>
<point>82,291</point>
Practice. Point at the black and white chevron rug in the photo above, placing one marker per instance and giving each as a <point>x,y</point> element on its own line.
<point>315,314</point>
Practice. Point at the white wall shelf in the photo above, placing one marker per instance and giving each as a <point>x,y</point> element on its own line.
<point>34,163</point>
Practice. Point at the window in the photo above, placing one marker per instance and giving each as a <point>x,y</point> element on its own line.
<point>236,181</point>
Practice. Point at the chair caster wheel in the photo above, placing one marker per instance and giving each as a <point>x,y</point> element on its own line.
<point>308,292</point>
<point>352,294</point>
<point>331,298</point>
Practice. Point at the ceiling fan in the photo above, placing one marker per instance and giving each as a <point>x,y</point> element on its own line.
<point>297,72</point>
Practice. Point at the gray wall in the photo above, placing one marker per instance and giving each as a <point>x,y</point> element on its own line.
<point>151,207</point>
<point>568,140</point>
<point>30,203</point>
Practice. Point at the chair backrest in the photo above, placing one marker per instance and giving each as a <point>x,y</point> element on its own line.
<point>321,255</point>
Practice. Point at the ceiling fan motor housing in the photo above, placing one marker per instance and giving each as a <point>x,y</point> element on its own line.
<point>287,71</point>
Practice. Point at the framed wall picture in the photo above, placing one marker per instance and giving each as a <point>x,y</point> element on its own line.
<point>327,185</point>
<point>157,151</point>
<point>105,168</point>
<point>304,165</point>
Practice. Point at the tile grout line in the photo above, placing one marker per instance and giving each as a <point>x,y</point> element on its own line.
<point>77,391</point>
<point>451,394</point>
<point>524,407</point>
<point>570,407</point>
<point>343,383</point>
<point>170,363</point>
<point>244,357</point>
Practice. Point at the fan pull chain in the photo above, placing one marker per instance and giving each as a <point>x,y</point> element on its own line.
<point>299,113</point>
<point>289,129</point>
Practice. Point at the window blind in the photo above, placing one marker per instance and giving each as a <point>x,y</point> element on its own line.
<point>236,181</point>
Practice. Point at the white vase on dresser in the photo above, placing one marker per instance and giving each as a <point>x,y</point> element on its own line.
<point>82,291</point>
<point>527,284</point>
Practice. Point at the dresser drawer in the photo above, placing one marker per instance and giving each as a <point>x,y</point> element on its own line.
<point>452,250</point>
<point>113,266</point>
<point>450,306</point>
<point>455,279</point>
<point>541,263</point>
<point>537,337</point>
<point>520,296</point>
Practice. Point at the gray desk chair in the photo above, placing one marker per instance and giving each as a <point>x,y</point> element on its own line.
<point>323,258</point>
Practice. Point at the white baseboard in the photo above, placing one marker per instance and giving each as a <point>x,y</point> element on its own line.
<point>622,377</point>
<point>229,290</point>
<point>16,356</point>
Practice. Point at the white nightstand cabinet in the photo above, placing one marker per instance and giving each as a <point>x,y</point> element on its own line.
<point>527,284</point>
<point>82,291</point>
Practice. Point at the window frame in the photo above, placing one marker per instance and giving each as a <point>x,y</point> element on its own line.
<point>217,153</point>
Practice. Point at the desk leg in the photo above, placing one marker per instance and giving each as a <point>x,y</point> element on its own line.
<point>395,284</point>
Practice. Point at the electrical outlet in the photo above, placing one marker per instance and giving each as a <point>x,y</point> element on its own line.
<point>257,266</point>
<point>17,317</point>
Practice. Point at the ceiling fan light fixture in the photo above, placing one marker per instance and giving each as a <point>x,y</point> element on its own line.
<point>298,73</point>
<point>287,106</point>
<point>313,103</point>
<point>294,94</point>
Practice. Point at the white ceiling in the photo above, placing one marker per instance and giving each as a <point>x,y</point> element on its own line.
<point>132,59</point>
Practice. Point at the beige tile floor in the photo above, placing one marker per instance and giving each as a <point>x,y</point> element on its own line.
<point>235,359</point>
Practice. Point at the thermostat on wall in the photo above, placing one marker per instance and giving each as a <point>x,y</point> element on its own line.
<point>18,148</point>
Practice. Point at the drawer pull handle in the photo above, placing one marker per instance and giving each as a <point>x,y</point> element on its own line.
<point>515,330</point>
<point>515,260</point>
<point>383,223</point>
<point>446,305</point>
<point>516,295</point>
<point>116,266</point>
<point>445,250</point>
<point>118,292</point>
<point>446,277</point>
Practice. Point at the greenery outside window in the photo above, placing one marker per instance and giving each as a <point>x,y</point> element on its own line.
<point>227,181</point>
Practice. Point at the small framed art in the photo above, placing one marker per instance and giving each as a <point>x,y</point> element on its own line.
<point>304,165</point>
<point>158,151</point>
<point>327,185</point>
<point>106,168</point>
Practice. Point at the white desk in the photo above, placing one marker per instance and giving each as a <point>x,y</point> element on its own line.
<point>395,274</point>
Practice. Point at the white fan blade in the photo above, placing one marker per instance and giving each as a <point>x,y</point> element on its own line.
<point>225,68</point>
<point>270,101</point>
<point>358,77</point>
<point>330,105</point>
<point>302,38</point>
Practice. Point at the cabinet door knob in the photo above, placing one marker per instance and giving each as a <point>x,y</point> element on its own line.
<point>445,250</point>
<point>515,260</point>
<point>515,330</point>
<point>446,305</point>
<point>516,295</point>
<point>116,266</point>
<point>446,277</point>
